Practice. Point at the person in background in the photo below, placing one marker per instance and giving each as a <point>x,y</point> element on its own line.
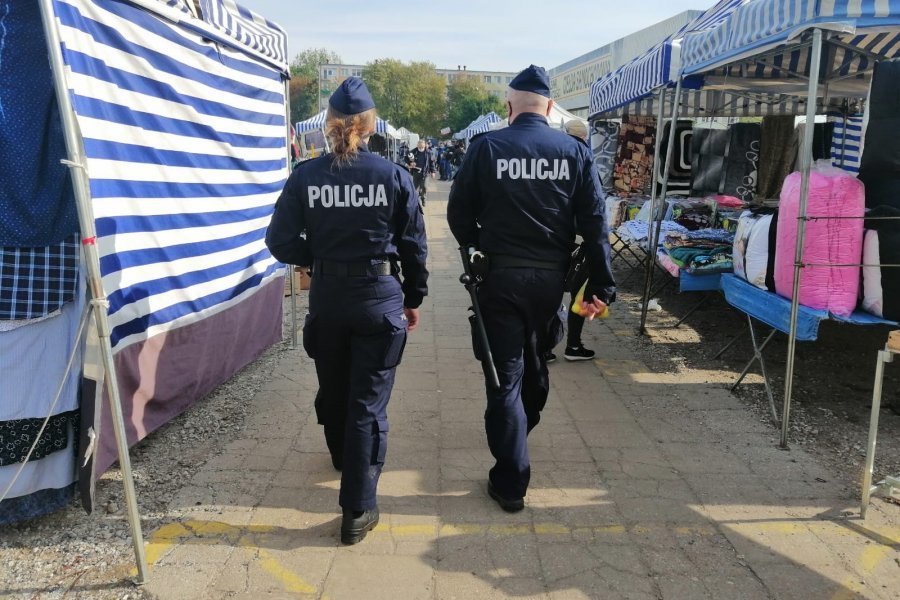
<point>355,218</point>
<point>420,165</point>
<point>520,196</point>
<point>575,350</point>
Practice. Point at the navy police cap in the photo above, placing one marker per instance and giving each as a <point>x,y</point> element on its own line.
<point>352,97</point>
<point>533,79</point>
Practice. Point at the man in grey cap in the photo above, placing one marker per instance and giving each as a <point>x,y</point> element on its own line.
<point>520,196</point>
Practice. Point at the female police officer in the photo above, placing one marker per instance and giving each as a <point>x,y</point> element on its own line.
<point>354,216</point>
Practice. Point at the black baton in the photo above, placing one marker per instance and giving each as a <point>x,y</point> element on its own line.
<point>471,280</point>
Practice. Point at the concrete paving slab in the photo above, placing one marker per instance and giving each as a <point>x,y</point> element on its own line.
<point>644,486</point>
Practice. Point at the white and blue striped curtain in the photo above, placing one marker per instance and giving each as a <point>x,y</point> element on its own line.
<point>846,142</point>
<point>186,149</point>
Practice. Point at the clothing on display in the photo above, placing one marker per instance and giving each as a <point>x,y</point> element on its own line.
<point>827,242</point>
<point>846,142</point>
<point>701,251</point>
<point>35,282</point>
<point>18,436</point>
<point>37,206</point>
<point>634,156</point>
<point>22,508</point>
<point>694,214</point>
<point>604,143</point>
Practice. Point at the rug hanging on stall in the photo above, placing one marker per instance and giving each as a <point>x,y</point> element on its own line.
<point>776,161</point>
<point>634,156</point>
<point>604,142</point>
<point>726,161</point>
<point>880,166</point>
<point>680,165</point>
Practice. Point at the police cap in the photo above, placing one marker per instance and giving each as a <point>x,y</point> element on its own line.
<point>351,97</point>
<point>533,79</point>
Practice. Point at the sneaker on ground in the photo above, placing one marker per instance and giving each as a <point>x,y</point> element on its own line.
<point>578,353</point>
<point>549,358</point>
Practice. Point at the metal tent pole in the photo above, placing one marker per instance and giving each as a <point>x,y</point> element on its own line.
<point>805,167</point>
<point>99,302</point>
<point>648,274</point>
<point>290,268</point>
<point>655,230</point>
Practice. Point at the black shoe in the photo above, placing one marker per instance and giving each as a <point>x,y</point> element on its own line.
<point>357,524</point>
<point>549,358</point>
<point>579,352</point>
<point>509,506</point>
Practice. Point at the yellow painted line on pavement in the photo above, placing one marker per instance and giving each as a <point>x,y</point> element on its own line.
<point>871,557</point>
<point>290,580</point>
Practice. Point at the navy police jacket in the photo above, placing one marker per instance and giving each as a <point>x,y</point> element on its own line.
<point>360,212</point>
<point>525,191</point>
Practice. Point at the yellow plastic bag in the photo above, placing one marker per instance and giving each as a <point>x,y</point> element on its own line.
<point>579,298</point>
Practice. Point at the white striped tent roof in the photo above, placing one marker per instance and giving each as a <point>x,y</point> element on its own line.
<point>317,122</point>
<point>763,27</point>
<point>248,28</point>
<point>186,148</point>
<point>656,68</point>
<point>480,125</point>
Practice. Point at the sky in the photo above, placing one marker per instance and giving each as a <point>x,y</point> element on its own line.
<point>484,35</point>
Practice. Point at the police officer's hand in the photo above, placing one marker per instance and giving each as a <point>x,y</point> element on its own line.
<point>589,310</point>
<point>412,318</point>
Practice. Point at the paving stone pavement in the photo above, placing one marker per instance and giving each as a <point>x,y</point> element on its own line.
<point>643,486</point>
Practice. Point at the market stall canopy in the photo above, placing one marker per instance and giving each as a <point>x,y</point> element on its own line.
<point>479,125</point>
<point>764,47</point>
<point>557,118</point>
<point>317,122</point>
<point>630,88</point>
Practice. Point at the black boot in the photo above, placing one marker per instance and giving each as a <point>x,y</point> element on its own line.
<point>357,524</point>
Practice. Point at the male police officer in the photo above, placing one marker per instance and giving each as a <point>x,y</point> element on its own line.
<point>520,196</point>
<point>360,217</point>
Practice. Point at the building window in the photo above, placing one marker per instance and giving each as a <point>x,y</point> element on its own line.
<point>328,72</point>
<point>357,72</point>
<point>487,78</point>
<point>497,79</point>
<point>509,80</point>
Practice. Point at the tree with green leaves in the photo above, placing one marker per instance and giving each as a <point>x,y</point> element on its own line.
<point>408,95</point>
<point>304,84</point>
<point>468,99</point>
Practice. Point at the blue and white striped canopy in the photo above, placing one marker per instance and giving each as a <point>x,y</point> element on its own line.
<point>250,29</point>
<point>757,27</point>
<point>317,122</point>
<point>480,125</point>
<point>658,67</point>
<point>186,148</point>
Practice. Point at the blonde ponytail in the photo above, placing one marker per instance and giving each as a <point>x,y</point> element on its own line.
<point>347,132</point>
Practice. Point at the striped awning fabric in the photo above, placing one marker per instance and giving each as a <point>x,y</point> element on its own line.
<point>759,26</point>
<point>317,122</point>
<point>481,125</point>
<point>248,28</point>
<point>186,151</point>
<point>709,103</point>
<point>656,68</point>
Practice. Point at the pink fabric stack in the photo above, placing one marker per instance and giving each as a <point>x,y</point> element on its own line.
<point>832,193</point>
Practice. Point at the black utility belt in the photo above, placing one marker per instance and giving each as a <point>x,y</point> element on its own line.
<point>331,268</point>
<point>503,261</point>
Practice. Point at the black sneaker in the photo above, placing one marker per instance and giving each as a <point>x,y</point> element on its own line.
<point>549,358</point>
<point>357,524</point>
<point>574,353</point>
<point>506,504</point>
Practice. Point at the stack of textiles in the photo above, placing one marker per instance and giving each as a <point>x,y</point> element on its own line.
<point>638,232</point>
<point>701,251</point>
<point>694,214</point>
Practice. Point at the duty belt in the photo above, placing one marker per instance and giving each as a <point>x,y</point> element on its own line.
<point>503,261</point>
<point>331,268</point>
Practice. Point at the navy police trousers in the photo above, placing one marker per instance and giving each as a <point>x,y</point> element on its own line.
<point>356,333</point>
<point>520,307</point>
